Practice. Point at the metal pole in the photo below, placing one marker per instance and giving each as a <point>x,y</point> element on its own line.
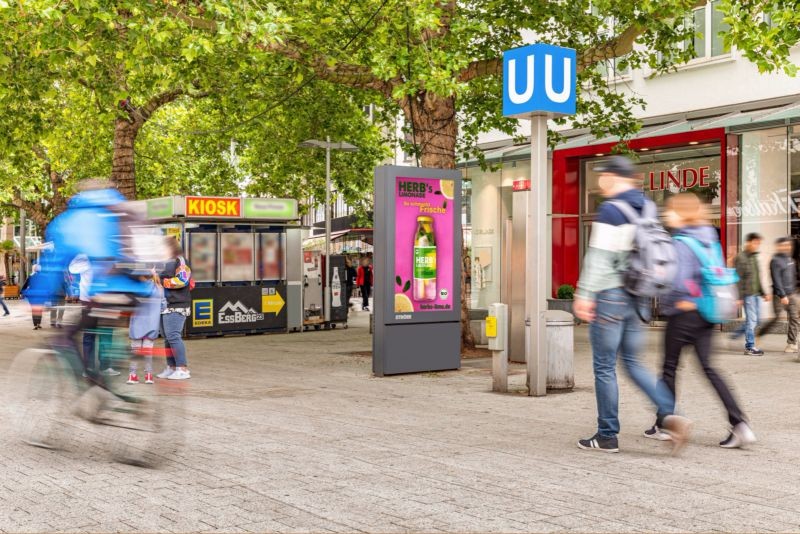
<point>328,229</point>
<point>23,262</point>
<point>536,260</point>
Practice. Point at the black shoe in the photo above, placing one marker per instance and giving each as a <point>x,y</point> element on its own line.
<point>753,352</point>
<point>599,443</point>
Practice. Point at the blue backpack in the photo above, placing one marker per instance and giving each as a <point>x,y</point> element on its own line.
<point>718,303</point>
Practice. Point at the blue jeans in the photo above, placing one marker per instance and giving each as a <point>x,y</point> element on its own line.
<point>752,312</point>
<point>617,330</point>
<point>172,330</point>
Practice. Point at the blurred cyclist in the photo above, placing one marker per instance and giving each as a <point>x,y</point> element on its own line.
<point>96,224</point>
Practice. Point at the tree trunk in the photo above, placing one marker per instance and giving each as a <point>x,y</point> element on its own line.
<point>123,170</point>
<point>434,129</point>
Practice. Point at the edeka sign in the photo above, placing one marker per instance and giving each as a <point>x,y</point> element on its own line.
<point>539,78</point>
<point>217,207</point>
<point>217,310</point>
<point>424,254</point>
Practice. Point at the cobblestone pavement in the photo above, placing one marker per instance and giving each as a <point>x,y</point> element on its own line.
<point>291,433</point>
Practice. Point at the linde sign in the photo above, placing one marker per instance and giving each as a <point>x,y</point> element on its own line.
<point>539,78</point>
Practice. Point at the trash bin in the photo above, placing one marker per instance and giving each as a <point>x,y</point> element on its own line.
<point>560,350</point>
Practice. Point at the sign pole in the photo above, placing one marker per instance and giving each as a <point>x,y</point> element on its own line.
<point>536,259</point>
<point>328,230</point>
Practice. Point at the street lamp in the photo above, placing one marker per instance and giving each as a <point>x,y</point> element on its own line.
<point>328,146</point>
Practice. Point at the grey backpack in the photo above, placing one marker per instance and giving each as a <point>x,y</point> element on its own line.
<point>653,261</point>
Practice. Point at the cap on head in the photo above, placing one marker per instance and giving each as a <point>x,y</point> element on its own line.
<point>617,165</point>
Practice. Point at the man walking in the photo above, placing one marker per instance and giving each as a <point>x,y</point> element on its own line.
<point>784,285</point>
<point>750,291</point>
<point>364,281</point>
<point>3,295</point>
<point>613,312</point>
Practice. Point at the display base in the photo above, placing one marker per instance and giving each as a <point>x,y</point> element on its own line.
<point>417,348</point>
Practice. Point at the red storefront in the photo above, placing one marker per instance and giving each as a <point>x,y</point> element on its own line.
<point>696,161</point>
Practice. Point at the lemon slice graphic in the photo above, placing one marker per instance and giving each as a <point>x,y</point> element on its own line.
<point>448,188</point>
<point>402,304</point>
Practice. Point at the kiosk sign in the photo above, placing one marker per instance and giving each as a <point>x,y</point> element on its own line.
<point>424,255</point>
<point>223,207</point>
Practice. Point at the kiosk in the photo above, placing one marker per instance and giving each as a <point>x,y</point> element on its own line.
<point>246,260</point>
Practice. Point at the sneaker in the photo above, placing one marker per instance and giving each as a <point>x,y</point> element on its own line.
<point>740,436</point>
<point>791,347</point>
<point>110,372</point>
<point>6,314</point>
<point>180,374</point>
<point>365,308</point>
<point>166,372</point>
<point>148,378</point>
<point>679,429</point>
<point>132,379</point>
<point>599,443</point>
<point>655,433</point>
<point>753,352</point>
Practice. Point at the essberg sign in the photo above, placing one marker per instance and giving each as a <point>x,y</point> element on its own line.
<point>539,78</point>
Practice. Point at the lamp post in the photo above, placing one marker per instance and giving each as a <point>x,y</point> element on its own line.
<point>328,146</point>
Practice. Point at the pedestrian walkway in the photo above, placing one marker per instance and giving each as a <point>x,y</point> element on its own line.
<point>292,433</point>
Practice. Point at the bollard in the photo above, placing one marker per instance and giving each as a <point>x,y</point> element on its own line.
<point>560,350</point>
<point>497,334</point>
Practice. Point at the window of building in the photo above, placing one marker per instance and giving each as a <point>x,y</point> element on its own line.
<point>708,24</point>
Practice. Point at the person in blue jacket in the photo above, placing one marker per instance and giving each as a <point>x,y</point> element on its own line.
<point>95,225</point>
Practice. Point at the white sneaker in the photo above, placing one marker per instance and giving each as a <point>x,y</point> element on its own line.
<point>741,435</point>
<point>166,372</point>
<point>790,348</point>
<point>110,372</point>
<point>180,374</point>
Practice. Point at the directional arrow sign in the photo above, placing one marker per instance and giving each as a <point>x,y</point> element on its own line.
<point>272,303</point>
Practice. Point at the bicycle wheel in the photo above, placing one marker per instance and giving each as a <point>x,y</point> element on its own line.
<point>138,435</point>
<point>42,389</point>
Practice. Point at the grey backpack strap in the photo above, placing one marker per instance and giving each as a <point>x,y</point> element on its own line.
<point>627,210</point>
<point>649,211</point>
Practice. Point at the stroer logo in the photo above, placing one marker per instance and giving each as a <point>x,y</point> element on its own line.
<point>238,313</point>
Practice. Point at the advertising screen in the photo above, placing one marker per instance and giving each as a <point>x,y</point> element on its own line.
<point>237,257</point>
<point>424,252</point>
<point>270,256</point>
<point>203,256</point>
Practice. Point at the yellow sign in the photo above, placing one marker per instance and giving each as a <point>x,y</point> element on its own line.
<point>272,303</point>
<point>213,207</point>
<point>491,326</point>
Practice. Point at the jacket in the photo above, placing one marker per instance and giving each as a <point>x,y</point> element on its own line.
<point>609,247</point>
<point>364,276</point>
<point>747,274</point>
<point>784,275</point>
<point>688,280</point>
<point>176,284</point>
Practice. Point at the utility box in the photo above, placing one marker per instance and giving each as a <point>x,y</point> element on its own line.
<point>560,350</point>
<point>497,334</point>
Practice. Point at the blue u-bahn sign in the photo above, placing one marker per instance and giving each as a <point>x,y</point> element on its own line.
<point>539,78</point>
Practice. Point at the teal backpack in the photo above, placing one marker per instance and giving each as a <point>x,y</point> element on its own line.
<point>718,302</point>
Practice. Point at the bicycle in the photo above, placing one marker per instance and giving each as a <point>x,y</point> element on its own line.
<point>50,389</point>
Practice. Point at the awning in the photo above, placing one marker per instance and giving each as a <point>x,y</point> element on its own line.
<point>725,118</point>
<point>351,241</point>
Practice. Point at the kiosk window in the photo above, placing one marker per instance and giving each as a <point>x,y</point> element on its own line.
<point>237,257</point>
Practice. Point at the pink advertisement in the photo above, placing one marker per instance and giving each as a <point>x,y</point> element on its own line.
<point>424,252</point>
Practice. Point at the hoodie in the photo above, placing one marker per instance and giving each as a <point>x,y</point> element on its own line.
<point>688,280</point>
<point>609,247</point>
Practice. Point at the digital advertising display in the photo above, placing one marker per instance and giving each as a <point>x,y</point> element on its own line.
<point>424,255</point>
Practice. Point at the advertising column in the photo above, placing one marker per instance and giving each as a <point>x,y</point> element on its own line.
<point>417,270</point>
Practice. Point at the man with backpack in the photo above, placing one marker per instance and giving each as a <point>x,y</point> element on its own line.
<point>629,252</point>
<point>784,285</point>
<point>750,292</point>
<point>703,295</point>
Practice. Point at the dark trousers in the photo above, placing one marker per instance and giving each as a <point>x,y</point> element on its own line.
<point>3,303</point>
<point>364,296</point>
<point>36,315</point>
<point>690,329</point>
<point>791,316</point>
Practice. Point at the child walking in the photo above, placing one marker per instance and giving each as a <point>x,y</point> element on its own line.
<point>144,331</point>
